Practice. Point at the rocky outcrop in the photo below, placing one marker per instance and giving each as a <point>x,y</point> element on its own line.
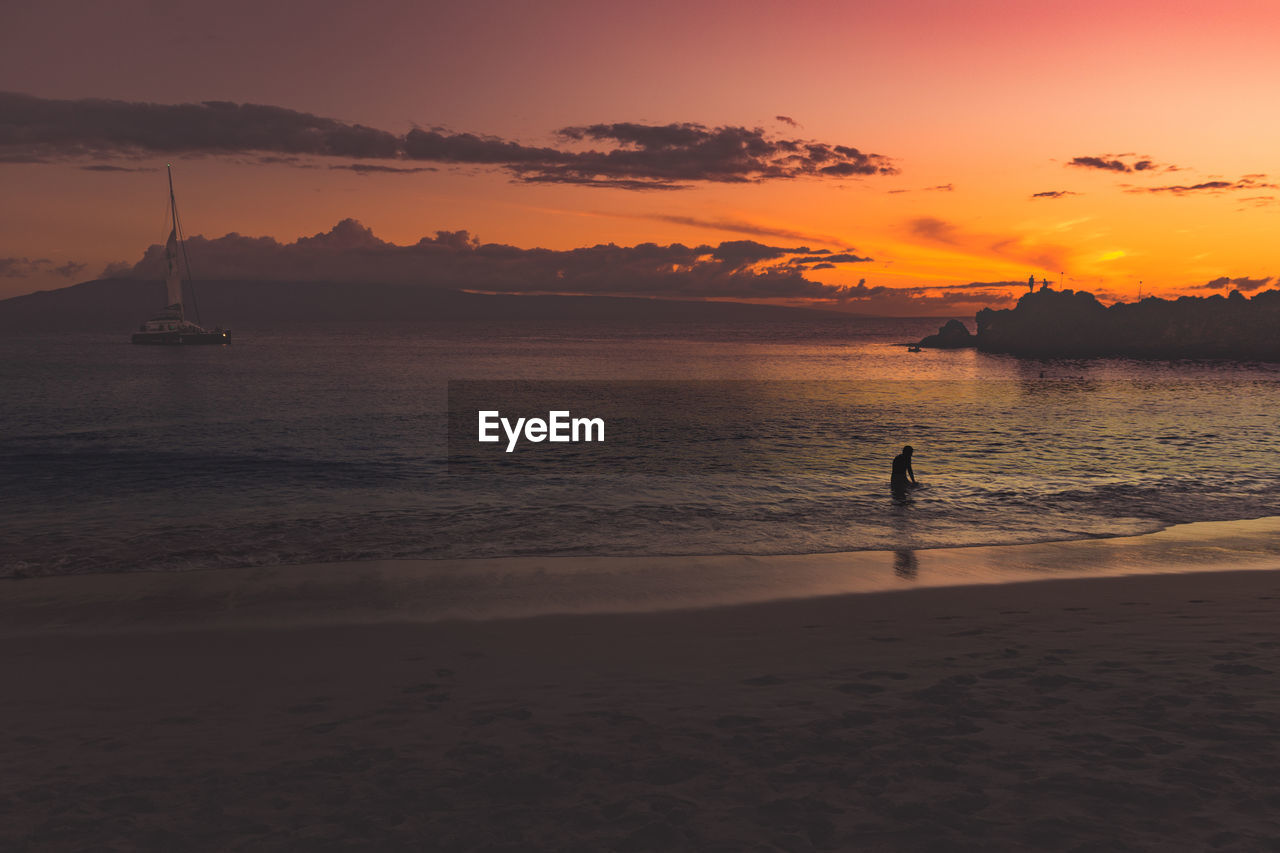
<point>951,335</point>
<point>1051,323</point>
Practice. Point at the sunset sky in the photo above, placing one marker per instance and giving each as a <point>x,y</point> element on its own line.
<point>925,146</point>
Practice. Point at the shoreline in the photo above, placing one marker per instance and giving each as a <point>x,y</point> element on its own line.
<point>427,591</point>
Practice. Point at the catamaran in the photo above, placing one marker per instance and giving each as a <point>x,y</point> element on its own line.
<point>171,326</point>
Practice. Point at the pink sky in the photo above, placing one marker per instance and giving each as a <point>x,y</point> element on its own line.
<point>993,100</point>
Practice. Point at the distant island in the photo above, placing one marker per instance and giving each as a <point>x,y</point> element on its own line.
<point>115,304</point>
<point>1074,324</point>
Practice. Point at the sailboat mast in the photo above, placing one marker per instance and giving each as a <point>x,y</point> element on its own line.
<point>173,275</point>
<point>182,241</point>
<point>173,200</point>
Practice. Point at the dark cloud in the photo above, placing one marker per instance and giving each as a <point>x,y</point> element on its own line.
<point>1242,283</point>
<point>1053,194</point>
<point>828,258</point>
<point>611,183</point>
<point>1100,163</point>
<point>277,160</point>
<point>1117,163</point>
<point>54,128</point>
<point>742,269</point>
<point>26,267</point>
<point>625,155</point>
<point>373,168</point>
<point>107,167</point>
<point>787,120</point>
<point>20,267</point>
<point>69,269</point>
<point>1179,189</point>
<point>923,298</point>
<point>974,285</point>
<point>1248,182</point>
<point>673,153</point>
<point>443,147</point>
<point>918,300</point>
<point>940,188</point>
<point>742,252</point>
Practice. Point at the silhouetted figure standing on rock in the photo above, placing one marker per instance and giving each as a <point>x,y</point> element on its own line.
<point>903,477</point>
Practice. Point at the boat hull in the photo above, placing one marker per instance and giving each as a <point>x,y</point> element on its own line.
<point>219,337</point>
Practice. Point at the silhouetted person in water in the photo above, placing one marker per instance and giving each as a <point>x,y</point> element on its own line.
<point>903,477</point>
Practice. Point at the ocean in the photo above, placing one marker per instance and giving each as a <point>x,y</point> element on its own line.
<point>322,444</point>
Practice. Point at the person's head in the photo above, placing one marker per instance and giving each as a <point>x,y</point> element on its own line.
<point>907,450</point>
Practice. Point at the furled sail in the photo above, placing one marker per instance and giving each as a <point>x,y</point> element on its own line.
<point>173,278</point>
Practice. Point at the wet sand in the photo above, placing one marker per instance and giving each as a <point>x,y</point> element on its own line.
<point>1116,713</point>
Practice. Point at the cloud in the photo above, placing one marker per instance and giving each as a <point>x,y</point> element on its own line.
<point>20,267</point>
<point>41,127</point>
<point>278,160</point>
<point>1100,163</point>
<point>936,230</point>
<point>671,153</point>
<point>374,168</point>
<point>974,285</point>
<point>1053,194</point>
<point>918,300</point>
<point>830,259</point>
<point>787,120</point>
<point>943,188</point>
<point>930,229</point>
<point>1248,182</point>
<point>107,167</point>
<point>740,253</point>
<point>1115,163</point>
<point>26,267</point>
<point>736,269</point>
<point>735,226</point>
<point>69,269</point>
<point>1243,284</point>
<point>625,155</point>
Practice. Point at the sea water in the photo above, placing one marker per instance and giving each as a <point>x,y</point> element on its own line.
<point>330,444</point>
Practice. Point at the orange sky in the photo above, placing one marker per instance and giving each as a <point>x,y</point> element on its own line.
<point>993,99</point>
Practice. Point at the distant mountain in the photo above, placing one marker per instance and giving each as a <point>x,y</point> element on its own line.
<point>121,304</point>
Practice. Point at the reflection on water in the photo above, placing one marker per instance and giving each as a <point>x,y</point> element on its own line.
<point>311,447</point>
<point>905,564</point>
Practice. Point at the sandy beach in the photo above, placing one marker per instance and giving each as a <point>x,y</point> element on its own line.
<point>1083,714</point>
